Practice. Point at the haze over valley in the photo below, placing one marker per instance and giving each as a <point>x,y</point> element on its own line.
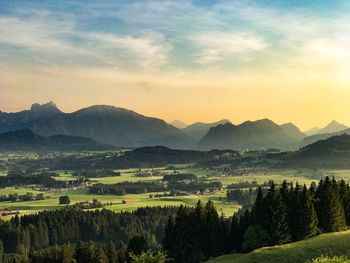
<point>187,131</point>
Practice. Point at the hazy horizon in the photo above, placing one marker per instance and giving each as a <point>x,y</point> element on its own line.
<point>180,60</point>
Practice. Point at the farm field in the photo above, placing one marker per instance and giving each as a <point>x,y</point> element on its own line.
<point>329,244</point>
<point>135,201</point>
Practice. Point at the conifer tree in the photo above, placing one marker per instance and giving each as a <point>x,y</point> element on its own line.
<point>1,252</point>
<point>330,210</point>
<point>233,235</point>
<point>309,222</point>
<point>277,224</point>
<point>112,253</point>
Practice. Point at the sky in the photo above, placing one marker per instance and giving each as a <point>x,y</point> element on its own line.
<point>200,60</point>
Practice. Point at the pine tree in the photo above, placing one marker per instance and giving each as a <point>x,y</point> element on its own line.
<point>277,224</point>
<point>258,211</point>
<point>211,234</point>
<point>169,236</point>
<point>330,210</point>
<point>67,254</point>
<point>307,220</point>
<point>112,253</point>
<point>1,252</point>
<point>233,235</point>
<point>100,256</point>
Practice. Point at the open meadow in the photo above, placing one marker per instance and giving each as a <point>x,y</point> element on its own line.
<point>131,202</point>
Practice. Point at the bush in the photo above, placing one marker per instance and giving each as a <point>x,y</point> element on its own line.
<point>64,200</point>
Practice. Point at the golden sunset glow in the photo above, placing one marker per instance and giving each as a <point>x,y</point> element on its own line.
<point>241,61</point>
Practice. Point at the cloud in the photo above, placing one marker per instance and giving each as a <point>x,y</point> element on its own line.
<point>169,35</point>
<point>55,38</point>
<point>215,46</point>
<point>150,50</point>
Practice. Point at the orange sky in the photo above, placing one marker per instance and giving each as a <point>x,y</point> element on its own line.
<point>288,61</point>
<point>308,102</point>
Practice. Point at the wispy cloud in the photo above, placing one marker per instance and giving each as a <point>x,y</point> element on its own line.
<point>216,46</point>
<point>150,50</point>
<point>50,38</point>
<point>180,35</point>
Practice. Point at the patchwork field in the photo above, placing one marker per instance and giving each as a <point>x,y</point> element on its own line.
<point>138,200</point>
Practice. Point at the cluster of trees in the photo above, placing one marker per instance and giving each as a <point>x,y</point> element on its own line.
<point>195,234</point>
<point>134,252</point>
<point>15,197</point>
<point>44,180</point>
<point>124,188</point>
<point>171,193</point>
<point>176,177</point>
<point>96,173</point>
<point>29,172</point>
<point>290,213</point>
<point>33,233</point>
<point>194,186</point>
<point>64,200</point>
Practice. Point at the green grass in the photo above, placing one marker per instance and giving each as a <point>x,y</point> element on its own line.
<point>140,200</point>
<point>330,244</point>
<point>136,201</point>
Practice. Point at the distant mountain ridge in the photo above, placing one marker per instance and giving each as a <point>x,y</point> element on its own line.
<point>106,124</point>
<point>197,130</point>
<point>178,124</point>
<point>252,135</point>
<point>125,128</point>
<point>332,127</point>
<point>26,140</point>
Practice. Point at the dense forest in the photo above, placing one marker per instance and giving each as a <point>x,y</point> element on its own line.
<point>36,237</point>
<point>44,180</point>
<point>283,215</point>
<point>185,234</point>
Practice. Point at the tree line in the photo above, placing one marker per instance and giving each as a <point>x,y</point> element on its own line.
<point>30,235</point>
<point>286,214</point>
<point>44,180</point>
<point>15,197</point>
<point>124,188</point>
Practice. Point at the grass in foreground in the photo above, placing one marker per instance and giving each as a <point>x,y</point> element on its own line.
<point>330,244</point>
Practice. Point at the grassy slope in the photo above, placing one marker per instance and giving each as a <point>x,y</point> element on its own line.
<point>326,244</point>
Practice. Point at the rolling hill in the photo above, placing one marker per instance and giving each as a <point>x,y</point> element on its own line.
<point>199,129</point>
<point>252,135</point>
<point>26,140</point>
<point>106,124</point>
<point>333,152</point>
<point>329,244</point>
<point>314,138</point>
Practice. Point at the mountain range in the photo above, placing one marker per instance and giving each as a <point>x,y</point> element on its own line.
<point>332,127</point>
<point>106,124</point>
<point>252,135</point>
<point>125,128</point>
<point>26,140</point>
<point>197,130</point>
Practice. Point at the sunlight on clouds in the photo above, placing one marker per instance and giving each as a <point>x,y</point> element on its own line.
<point>179,59</point>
